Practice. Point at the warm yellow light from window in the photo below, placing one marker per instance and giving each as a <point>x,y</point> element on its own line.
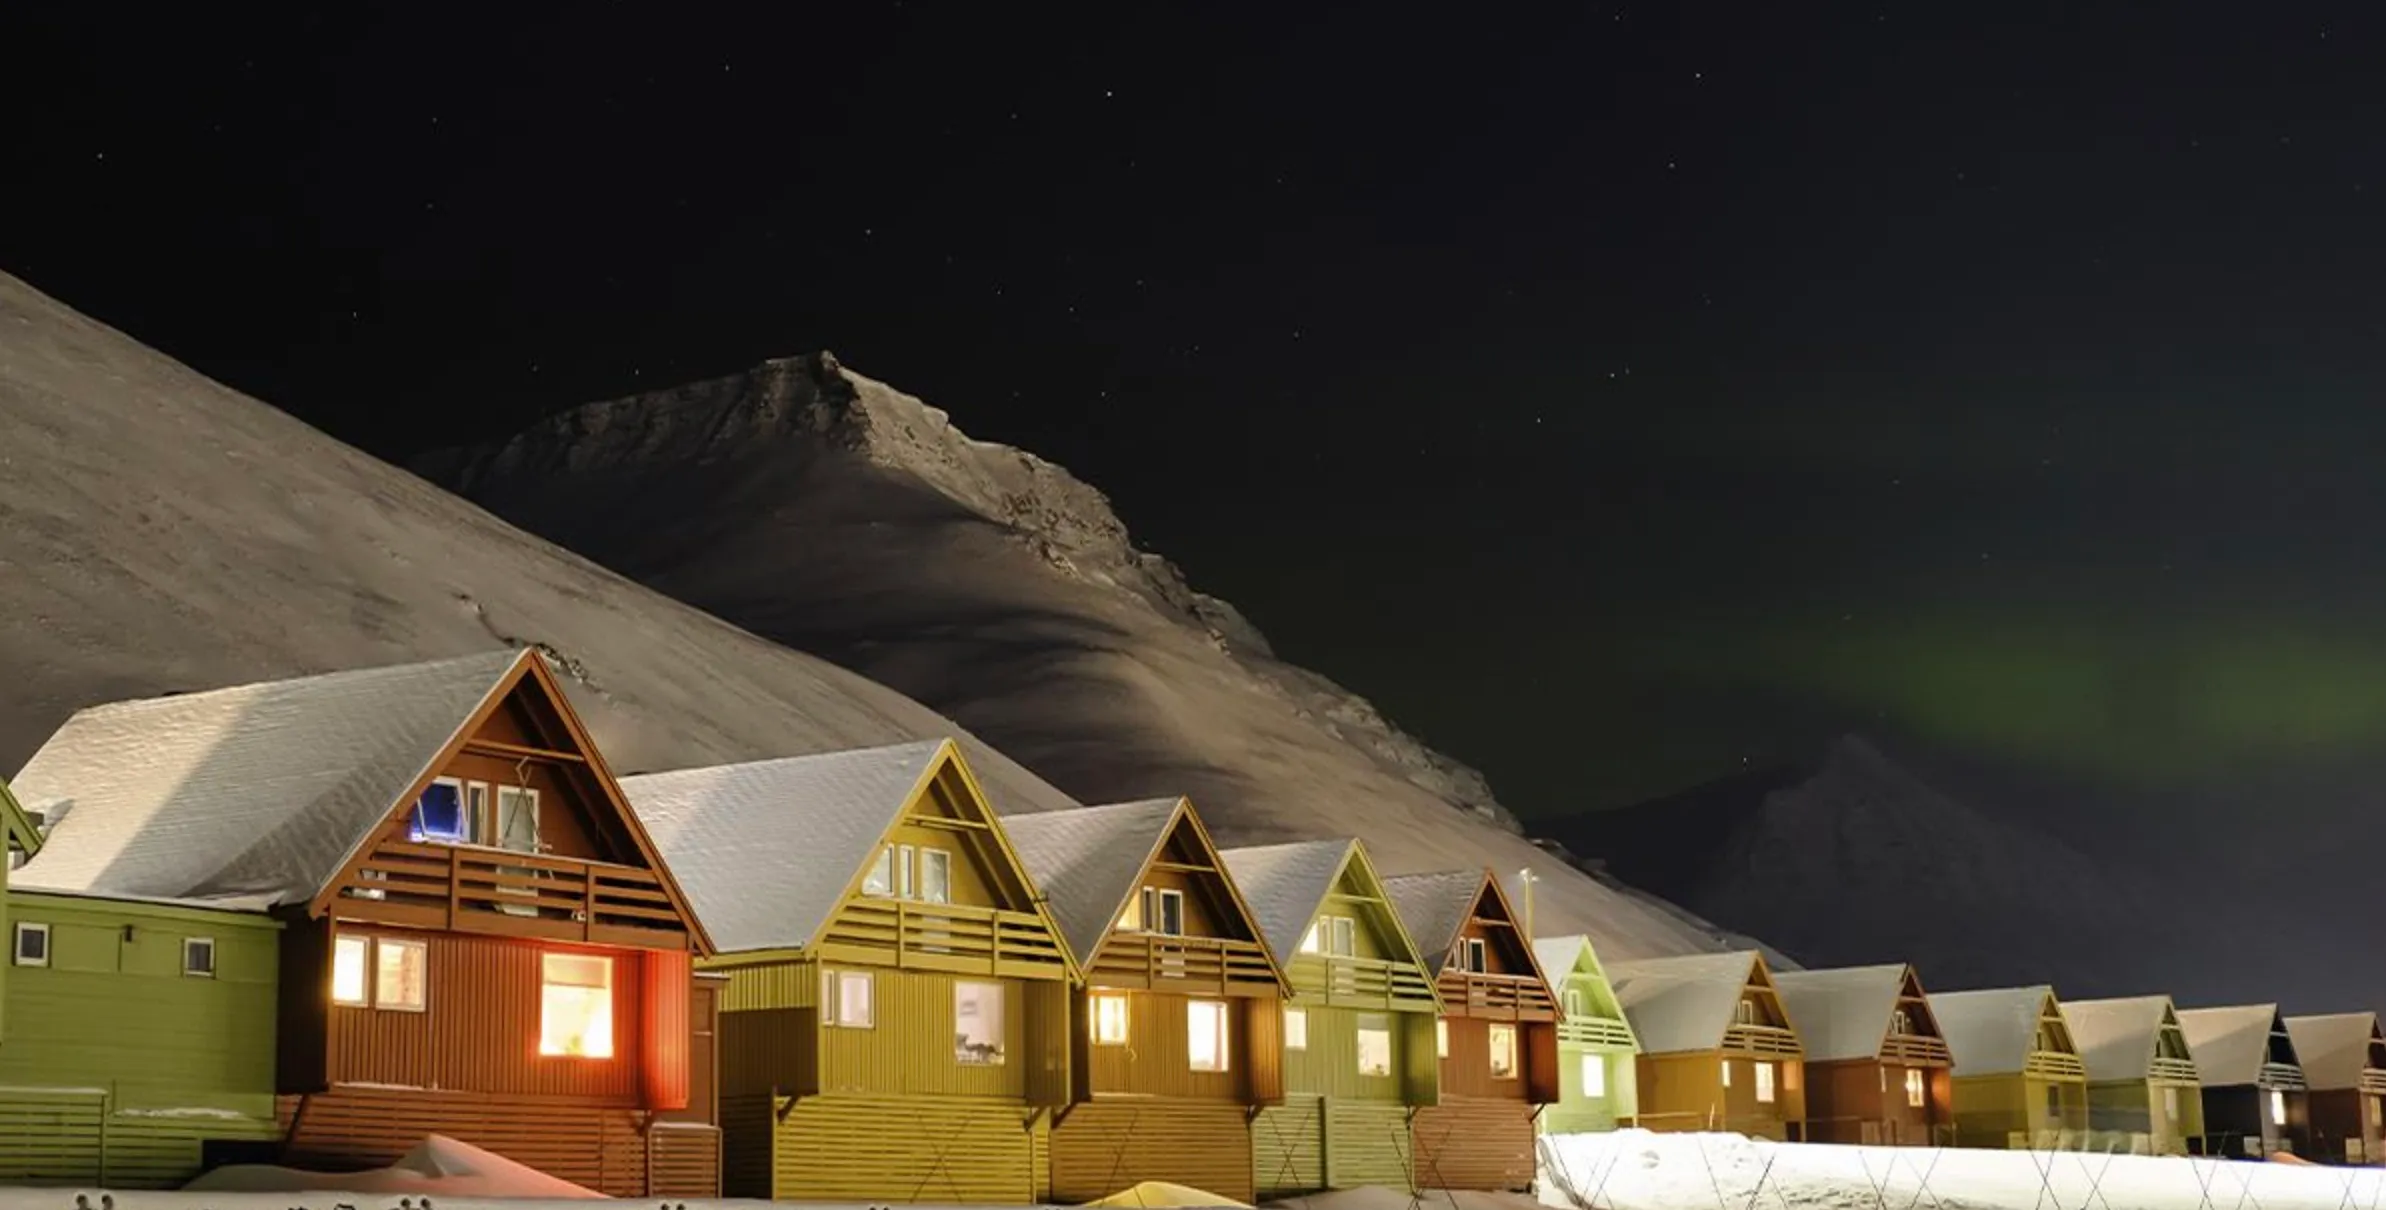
<point>399,968</point>
<point>1441,1039</point>
<point>348,970</point>
<point>1110,1020</point>
<point>576,1006</point>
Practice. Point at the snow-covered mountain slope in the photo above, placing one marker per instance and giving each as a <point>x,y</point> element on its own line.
<point>835,514</point>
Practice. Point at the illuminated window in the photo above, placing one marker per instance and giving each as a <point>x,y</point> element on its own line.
<point>2278,1108</point>
<point>1503,1052</point>
<point>2170,1103</point>
<point>1764,1083</point>
<point>1727,1073</point>
<point>1901,1023</point>
<point>1375,1045</point>
<point>1594,1075</point>
<point>349,970</point>
<point>399,969</point>
<point>1296,1029</point>
<point>936,876</point>
<point>441,815</point>
<point>1917,1089</point>
<point>33,944</point>
<point>1110,1019</point>
<point>1205,1036</point>
<point>880,881</point>
<point>1441,1039</point>
<point>576,1006</point>
<point>977,1022</point>
<point>1309,940</point>
<point>847,999</point>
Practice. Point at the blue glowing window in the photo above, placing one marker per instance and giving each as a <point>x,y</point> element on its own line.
<point>439,815</point>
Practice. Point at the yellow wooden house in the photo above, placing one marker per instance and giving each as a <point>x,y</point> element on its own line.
<point>1178,1031</point>
<point>895,1027</point>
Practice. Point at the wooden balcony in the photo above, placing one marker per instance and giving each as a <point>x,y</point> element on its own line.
<point>1916,1050</point>
<point>1203,966</point>
<point>956,938</point>
<point>2283,1076</point>
<point>2054,1065</point>
<point>1496,997</point>
<point>1597,1033</point>
<point>2173,1071</point>
<point>470,889</point>
<point>1769,1040</point>
<point>2373,1081</point>
<point>1345,982</point>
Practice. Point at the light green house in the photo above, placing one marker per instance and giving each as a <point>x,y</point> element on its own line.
<point>136,1036</point>
<point>1596,1049</point>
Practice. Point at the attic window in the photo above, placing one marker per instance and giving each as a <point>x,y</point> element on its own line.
<point>1334,935</point>
<point>33,944</point>
<point>1573,1001</point>
<point>1901,1023</point>
<point>1164,911</point>
<point>443,816</point>
<point>198,957</point>
<point>1745,1012</point>
<point>1474,956</point>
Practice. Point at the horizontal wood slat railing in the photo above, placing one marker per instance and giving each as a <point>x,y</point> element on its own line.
<point>1362,982</point>
<point>2181,1071</point>
<point>1916,1049</point>
<point>2281,1076</point>
<point>2054,1065</point>
<point>947,936</point>
<point>1762,1040</point>
<point>472,889</point>
<point>1154,961</point>
<point>1587,1030</point>
<point>2373,1081</point>
<point>1469,993</point>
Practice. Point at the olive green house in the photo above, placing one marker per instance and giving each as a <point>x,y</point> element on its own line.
<point>1597,1052</point>
<point>136,1036</point>
<point>1359,1026</point>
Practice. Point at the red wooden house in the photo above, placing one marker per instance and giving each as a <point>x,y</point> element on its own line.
<point>479,939</point>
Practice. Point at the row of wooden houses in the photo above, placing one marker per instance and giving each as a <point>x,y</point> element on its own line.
<point>313,921</point>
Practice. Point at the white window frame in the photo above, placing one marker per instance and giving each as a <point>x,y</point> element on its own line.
<point>1166,900</point>
<point>943,858</point>
<point>1441,1038</point>
<point>1342,937</point>
<point>1099,1026</point>
<point>1001,1000</point>
<point>1474,956</point>
<point>1767,1092</point>
<point>878,880</point>
<point>1727,1073</point>
<point>195,971</point>
<point>1594,1075</point>
<point>1572,999</point>
<point>1375,1023</point>
<point>1296,1028</point>
<point>1310,941</point>
<point>1744,1013</point>
<point>30,928</point>
<point>497,797</point>
<point>1225,1039</point>
<point>364,967</point>
<point>832,998</point>
<point>373,973</point>
<point>1498,1031</point>
<point>1917,1090</point>
<point>906,857</point>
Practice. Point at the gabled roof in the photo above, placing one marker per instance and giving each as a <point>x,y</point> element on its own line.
<point>2231,1043</point>
<point>1087,861</point>
<point>1563,958</point>
<point>1435,909</point>
<point>1843,1013</point>
<point>17,832</point>
<point>2117,1038</point>
<point>1683,1003</point>
<point>2334,1048</point>
<point>1287,884</point>
<point>1992,1031</point>
<point>771,848</point>
<point>263,789</point>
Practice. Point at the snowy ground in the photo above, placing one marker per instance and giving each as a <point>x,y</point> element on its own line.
<point>1637,1170</point>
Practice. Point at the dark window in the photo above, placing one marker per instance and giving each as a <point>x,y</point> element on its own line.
<point>439,815</point>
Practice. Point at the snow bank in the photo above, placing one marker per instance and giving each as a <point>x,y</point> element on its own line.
<point>438,1164</point>
<point>1638,1170</point>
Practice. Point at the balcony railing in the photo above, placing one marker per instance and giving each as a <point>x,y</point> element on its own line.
<point>469,889</point>
<point>1762,1040</point>
<point>1498,997</point>
<point>954,937</point>
<point>1601,1032</point>
<point>2054,1065</point>
<point>1920,1050</point>
<point>2373,1081</point>
<point>2284,1076</point>
<point>2175,1071</point>
<point>1361,982</point>
<point>1161,962</point>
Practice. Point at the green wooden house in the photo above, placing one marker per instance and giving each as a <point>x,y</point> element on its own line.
<point>136,1036</point>
<point>1359,1027</point>
<point>896,1022</point>
<point>1597,1053</point>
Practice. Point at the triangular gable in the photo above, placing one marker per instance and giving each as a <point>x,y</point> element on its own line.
<point>1291,887</point>
<point>17,831</point>
<point>1437,908</point>
<point>1687,1003</point>
<point>1571,964</point>
<point>1358,879</point>
<point>1915,1003</point>
<point>525,716</point>
<point>2055,1027</point>
<point>1994,1031</point>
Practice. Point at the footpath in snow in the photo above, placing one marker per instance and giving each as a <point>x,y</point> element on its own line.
<point>1637,1170</point>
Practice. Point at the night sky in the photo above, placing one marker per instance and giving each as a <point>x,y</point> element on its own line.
<point>1616,395</point>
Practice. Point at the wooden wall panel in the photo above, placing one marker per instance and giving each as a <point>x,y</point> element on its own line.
<point>767,1051</point>
<point>302,1047</point>
<point>942,1150</point>
<point>749,1131</point>
<point>1370,1143</point>
<point>664,1039</point>
<point>1288,1148</point>
<point>1329,1065</point>
<point>352,1128</point>
<point>1471,1143</point>
<point>1467,1070</point>
<point>685,1159</point>
<point>908,1049</point>
<point>1102,1147</point>
<point>1156,1061</point>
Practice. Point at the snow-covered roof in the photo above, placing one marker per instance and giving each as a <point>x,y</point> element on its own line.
<point>2116,1038</point>
<point>2333,1047</point>
<point>1434,908</point>
<point>17,830</point>
<point>1286,884</point>
<point>1683,1003</point>
<point>252,905</point>
<point>1086,861</point>
<point>1558,955</point>
<point>263,789</point>
<point>2231,1043</point>
<point>767,849</point>
<point>1842,1013</point>
<point>1991,1031</point>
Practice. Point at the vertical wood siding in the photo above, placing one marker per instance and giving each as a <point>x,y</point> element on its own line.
<point>1157,1059</point>
<point>1469,1143</point>
<point>1102,1147</point>
<point>1329,1065</point>
<point>944,1150</point>
<point>662,1040</point>
<point>1576,1111</point>
<point>909,1048</point>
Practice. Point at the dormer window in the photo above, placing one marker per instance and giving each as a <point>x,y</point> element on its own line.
<point>1474,956</point>
<point>1901,1023</point>
<point>1745,1012</point>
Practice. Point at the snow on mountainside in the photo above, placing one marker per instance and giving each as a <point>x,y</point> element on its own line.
<point>835,514</point>
<point>1857,861</point>
<point>160,532</point>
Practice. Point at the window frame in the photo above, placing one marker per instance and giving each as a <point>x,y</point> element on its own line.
<point>1001,1022</point>
<point>1917,1088</point>
<point>364,970</point>
<point>1166,899</point>
<point>1296,1028</point>
<point>1441,1037</point>
<point>373,992</point>
<point>1225,1035</point>
<point>196,972</point>
<point>1570,1000</point>
<point>610,987</point>
<point>1342,939</point>
<point>1768,1083</point>
<point>1101,1036</point>
<point>417,833</point>
<point>16,943</point>
<point>1375,1023</point>
<point>944,858</point>
<point>497,838</point>
<point>878,878</point>
<point>1593,1061</point>
<point>1492,1035</point>
<point>1474,956</point>
<point>832,998</point>
<point>1311,941</point>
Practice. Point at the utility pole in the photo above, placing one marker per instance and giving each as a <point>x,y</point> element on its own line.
<point>1526,874</point>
